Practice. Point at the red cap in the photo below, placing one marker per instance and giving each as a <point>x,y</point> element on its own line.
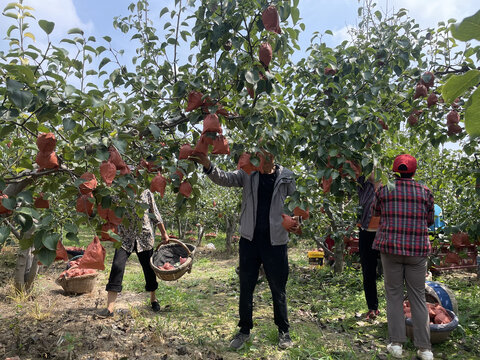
<point>408,160</point>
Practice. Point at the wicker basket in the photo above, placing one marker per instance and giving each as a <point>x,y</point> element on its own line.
<point>438,332</point>
<point>178,272</point>
<point>77,285</point>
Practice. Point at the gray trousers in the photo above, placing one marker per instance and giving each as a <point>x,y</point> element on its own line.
<point>411,271</point>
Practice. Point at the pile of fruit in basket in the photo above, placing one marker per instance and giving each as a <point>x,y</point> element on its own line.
<point>436,312</point>
<point>168,266</point>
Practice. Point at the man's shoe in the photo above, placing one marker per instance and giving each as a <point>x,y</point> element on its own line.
<point>372,314</point>
<point>284,340</point>
<point>105,313</point>
<point>239,341</point>
<point>425,354</point>
<point>155,306</point>
<point>395,350</point>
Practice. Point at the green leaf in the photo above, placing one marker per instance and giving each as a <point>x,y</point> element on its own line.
<point>28,211</point>
<point>71,227</point>
<point>104,62</point>
<point>4,233</point>
<point>10,6</point>
<point>25,243</point>
<point>75,31</point>
<point>21,98</point>
<point>3,185</point>
<point>50,241</point>
<point>251,77</point>
<point>472,114</point>
<point>69,90</point>
<point>26,196</point>
<point>295,12</point>
<point>72,237</point>
<point>164,11</point>
<point>468,29</point>
<point>46,256</point>
<point>9,203</point>
<point>46,26</point>
<point>69,124</point>
<point>458,84</point>
<point>120,144</point>
<point>155,130</point>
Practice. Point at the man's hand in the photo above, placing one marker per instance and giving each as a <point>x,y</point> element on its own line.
<point>201,159</point>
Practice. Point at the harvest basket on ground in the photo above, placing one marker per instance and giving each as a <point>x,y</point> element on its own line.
<point>438,332</point>
<point>171,253</point>
<point>77,285</point>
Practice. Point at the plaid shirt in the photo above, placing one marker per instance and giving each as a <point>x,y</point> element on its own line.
<point>405,214</point>
<point>143,236</point>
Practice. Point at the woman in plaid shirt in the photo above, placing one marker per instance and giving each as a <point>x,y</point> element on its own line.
<point>402,239</point>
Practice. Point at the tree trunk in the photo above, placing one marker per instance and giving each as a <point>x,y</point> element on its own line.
<point>179,227</point>
<point>27,264</point>
<point>25,270</point>
<point>201,230</point>
<point>230,224</point>
<point>339,250</point>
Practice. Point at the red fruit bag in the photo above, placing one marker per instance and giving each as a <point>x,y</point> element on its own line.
<point>265,54</point>
<point>357,169</point>
<point>124,170</point>
<point>185,151</point>
<point>47,160</point>
<point>3,209</point>
<point>46,142</point>
<point>245,164</point>
<point>41,203</point>
<point>326,184</point>
<point>103,213</point>
<point>194,100</point>
<point>112,218</point>
<point>211,124</point>
<point>61,252</point>
<point>201,147</point>
<point>179,174</point>
<point>305,214</point>
<point>89,184</point>
<point>158,184</point>
<point>182,260</point>
<point>108,171</point>
<point>220,146</point>
<point>108,226</point>
<point>270,19</point>
<point>222,111</point>
<point>116,159</point>
<point>84,205</point>
<point>94,256</point>
<point>185,189</point>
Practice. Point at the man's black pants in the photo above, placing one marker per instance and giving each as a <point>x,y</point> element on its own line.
<point>369,259</point>
<point>118,269</point>
<point>275,263</point>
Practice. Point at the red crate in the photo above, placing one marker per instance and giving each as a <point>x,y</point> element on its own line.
<point>459,257</point>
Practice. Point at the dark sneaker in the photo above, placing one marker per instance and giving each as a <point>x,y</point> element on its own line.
<point>104,314</point>
<point>239,341</point>
<point>155,306</point>
<point>284,340</point>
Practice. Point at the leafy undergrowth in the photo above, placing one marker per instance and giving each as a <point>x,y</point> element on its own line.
<point>199,314</point>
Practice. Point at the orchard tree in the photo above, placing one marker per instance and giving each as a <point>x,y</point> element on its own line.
<point>369,95</point>
<point>72,109</point>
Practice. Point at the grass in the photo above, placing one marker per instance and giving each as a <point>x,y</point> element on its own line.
<point>324,310</point>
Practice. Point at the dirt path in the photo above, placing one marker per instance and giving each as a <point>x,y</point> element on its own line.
<point>52,325</point>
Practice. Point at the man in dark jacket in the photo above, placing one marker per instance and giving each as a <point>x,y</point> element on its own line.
<point>263,239</point>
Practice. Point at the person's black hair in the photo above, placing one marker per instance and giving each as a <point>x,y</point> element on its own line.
<point>403,167</point>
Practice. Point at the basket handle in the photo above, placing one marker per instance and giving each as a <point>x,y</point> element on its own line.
<point>189,253</point>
